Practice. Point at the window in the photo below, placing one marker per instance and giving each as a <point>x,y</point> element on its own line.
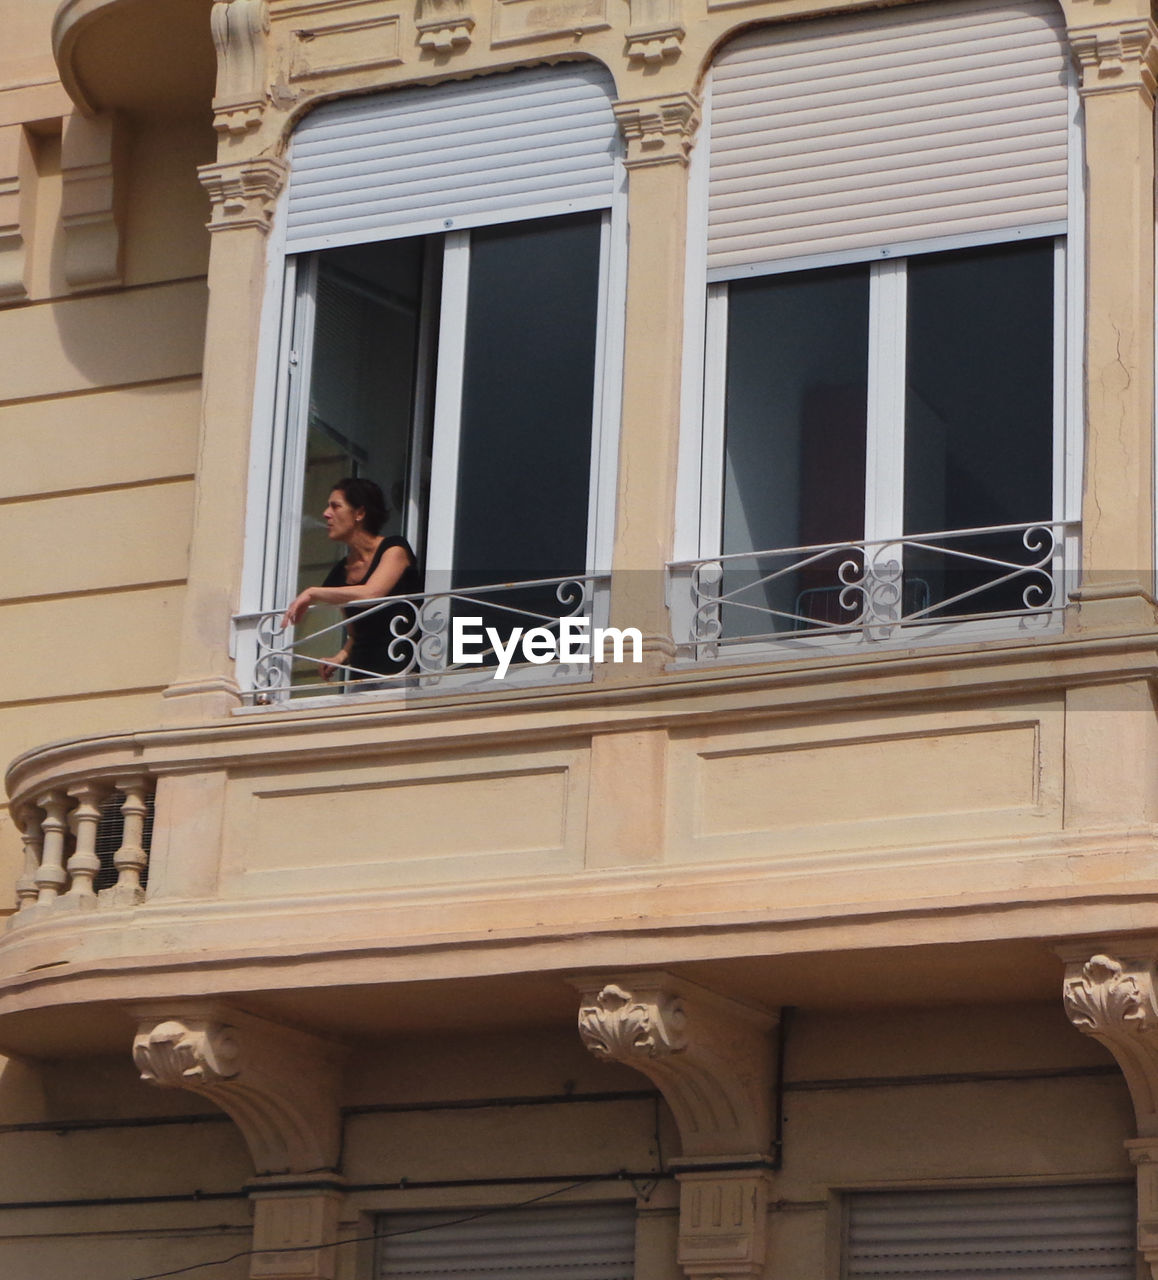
<point>449,330</point>
<point>586,1242</point>
<point>884,410</point>
<point>1037,1233</point>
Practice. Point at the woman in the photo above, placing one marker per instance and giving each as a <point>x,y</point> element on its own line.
<point>373,567</point>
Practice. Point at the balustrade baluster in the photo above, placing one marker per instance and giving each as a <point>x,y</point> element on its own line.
<point>51,876</point>
<point>33,837</point>
<point>131,859</point>
<point>84,863</point>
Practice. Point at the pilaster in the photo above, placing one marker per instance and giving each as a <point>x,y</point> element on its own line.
<point>239,31</point>
<point>711,1058</point>
<point>243,194</point>
<point>1111,997</point>
<point>659,133</point>
<point>1116,61</point>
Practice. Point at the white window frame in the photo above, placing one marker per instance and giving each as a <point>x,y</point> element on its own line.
<point>700,481</point>
<point>278,437</point>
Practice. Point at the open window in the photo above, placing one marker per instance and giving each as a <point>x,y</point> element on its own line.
<point>449,330</point>
<point>886,407</point>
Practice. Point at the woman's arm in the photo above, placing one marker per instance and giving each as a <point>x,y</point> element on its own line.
<point>390,568</point>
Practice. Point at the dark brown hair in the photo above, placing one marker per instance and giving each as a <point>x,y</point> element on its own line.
<point>365,494</point>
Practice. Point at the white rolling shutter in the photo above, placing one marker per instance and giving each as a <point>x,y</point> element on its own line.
<point>587,1242</point>
<point>520,144</point>
<point>887,129</point>
<point>1033,1233</point>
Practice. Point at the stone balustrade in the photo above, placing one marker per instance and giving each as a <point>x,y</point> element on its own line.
<point>77,837</point>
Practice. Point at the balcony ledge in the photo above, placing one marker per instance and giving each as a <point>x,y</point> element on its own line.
<point>135,55</point>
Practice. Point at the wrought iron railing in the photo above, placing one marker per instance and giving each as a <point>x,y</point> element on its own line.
<point>420,630</point>
<point>869,592</point>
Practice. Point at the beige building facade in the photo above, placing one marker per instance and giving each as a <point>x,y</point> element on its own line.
<point>810,936</point>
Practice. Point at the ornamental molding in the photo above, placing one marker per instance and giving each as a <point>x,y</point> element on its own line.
<point>655,32</point>
<point>1112,999</point>
<point>658,130</point>
<point>240,28</point>
<point>278,1085</point>
<point>723,1224</point>
<point>709,1056</point>
<point>444,26</point>
<point>1116,56</point>
<point>243,193</point>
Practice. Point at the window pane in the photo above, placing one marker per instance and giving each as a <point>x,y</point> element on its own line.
<point>361,399</point>
<point>979,416</point>
<point>528,399</point>
<point>794,440</point>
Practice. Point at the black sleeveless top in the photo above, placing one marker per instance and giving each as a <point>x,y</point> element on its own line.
<point>373,635</point>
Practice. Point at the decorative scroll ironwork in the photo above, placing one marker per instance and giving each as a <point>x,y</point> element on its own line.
<point>420,627</point>
<point>870,591</point>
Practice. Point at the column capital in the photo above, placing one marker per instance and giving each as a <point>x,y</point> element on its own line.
<point>658,130</point>
<point>1116,56</point>
<point>710,1056</point>
<point>279,1085</point>
<point>243,192</point>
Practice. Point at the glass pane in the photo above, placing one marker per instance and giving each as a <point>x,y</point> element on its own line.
<point>794,452</point>
<point>979,421</point>
<point>361,403</point>
<point>528,399</point>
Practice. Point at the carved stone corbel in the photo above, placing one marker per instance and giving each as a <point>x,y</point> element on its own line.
<point>655,32</point>
<point>91,172</point>
<point>1112,56</point>
<point>711,1058</point>
<point>279,1086</point>
<point>243,193</point>
<point>658,130</point>
<point>1112,998</point>
<point>444,26</point>
<point>16,175</point>
<point>239,31</point>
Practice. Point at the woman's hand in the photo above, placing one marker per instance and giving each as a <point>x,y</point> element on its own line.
<point>297,611</point>
<point>328,666</point>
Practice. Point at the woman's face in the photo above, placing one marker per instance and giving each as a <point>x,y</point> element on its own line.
<point>341,519</point>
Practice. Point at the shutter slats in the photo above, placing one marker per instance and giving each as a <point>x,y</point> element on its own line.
<point>587,1242</point>
<point>829,137</point>
<point>1037,1233</point>
<point>498,148</point>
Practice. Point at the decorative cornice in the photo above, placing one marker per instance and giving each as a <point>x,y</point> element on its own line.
<point>658,130</point>
<point>709,1056</point>
<point>243,193</point>
<point>1116,56</point>
<point>1113,1001</point>
<point>279,1086</point>
<point>239,31</point>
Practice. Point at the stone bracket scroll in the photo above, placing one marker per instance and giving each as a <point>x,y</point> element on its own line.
<point>655,33</point>
<point>1112,997</point>
<point>444,26</point>
<point>17,175</point>
<point>710,1056</point>
<point>280,1086</point>
<point>92,173</point>
<point>240,28</point>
